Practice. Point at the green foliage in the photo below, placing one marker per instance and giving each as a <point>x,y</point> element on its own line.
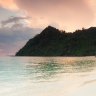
<point>53,42</point>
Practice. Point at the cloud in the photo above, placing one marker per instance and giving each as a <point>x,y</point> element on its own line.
<point>64,14</point>
<point>13,20</point>
<point>9,4</point>
<point>67,14</point>
<point>13,38</point>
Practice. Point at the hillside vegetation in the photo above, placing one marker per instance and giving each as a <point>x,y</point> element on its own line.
<point>53,42</point>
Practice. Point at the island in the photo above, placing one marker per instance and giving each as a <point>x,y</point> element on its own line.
<point>54,42</point>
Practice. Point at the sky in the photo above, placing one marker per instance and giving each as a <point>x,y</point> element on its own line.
<point>21,20</point>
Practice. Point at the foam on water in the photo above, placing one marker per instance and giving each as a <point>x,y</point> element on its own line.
<point>47,76</point>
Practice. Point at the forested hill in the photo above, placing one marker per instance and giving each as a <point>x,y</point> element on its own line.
<point>53,42</point>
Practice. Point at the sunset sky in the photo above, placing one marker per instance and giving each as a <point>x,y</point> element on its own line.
<point>20,20</point>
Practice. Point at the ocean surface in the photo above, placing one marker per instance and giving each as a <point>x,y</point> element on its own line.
<point>47,76</point>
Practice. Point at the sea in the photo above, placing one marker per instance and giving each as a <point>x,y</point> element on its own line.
<point>48,76</point>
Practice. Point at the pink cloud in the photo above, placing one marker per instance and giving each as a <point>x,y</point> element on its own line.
<point>65,14</point>
<point>9,4</point>
<point>71,14</point>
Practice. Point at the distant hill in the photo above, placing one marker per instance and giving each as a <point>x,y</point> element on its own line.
<point>53,42</point>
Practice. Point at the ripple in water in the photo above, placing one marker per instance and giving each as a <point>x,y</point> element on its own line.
<point>47,76</point>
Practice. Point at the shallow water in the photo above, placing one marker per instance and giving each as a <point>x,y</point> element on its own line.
<point>47,76</point>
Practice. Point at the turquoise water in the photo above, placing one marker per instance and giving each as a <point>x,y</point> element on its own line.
<point>47,76</point>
